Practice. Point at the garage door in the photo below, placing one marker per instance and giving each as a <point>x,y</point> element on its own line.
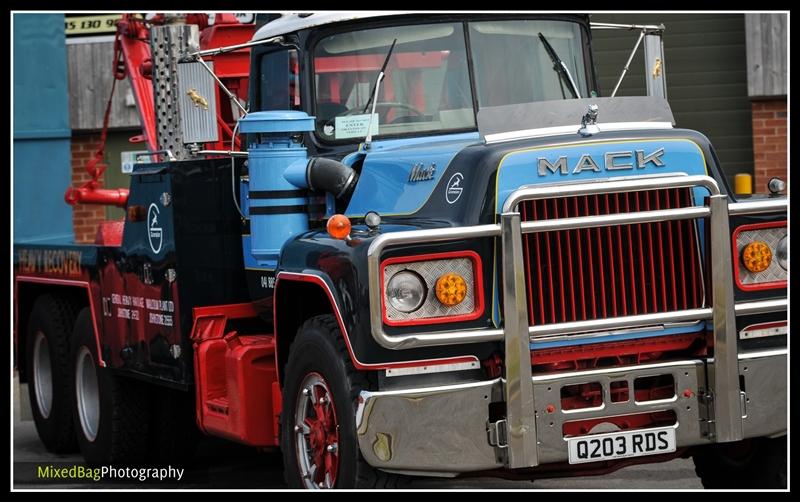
<point>705,64</point>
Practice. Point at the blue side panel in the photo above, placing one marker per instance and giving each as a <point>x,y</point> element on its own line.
<point>384,184</point>
<point>250,262</point>
<point>41,130</point>
<point>40,213</point>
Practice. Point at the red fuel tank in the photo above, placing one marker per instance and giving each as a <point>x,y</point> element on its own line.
<point>236,378</point>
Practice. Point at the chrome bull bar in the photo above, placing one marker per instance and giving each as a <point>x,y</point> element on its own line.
<point>516,333</point>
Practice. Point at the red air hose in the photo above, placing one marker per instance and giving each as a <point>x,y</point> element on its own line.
<point>88,193</point>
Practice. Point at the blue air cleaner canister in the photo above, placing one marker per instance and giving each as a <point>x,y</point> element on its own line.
<point>277,209</point>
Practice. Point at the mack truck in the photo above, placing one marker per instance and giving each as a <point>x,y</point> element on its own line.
<point>394,245</point>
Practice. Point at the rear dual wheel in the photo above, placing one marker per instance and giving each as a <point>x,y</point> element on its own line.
<point>49,385</point>
<point>110,413</point>
<point>123,421</point>
<point>78,404</point>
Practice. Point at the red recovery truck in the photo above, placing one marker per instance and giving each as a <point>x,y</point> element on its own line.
<point>370,241</point>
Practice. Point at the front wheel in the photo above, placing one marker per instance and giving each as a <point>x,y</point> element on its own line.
<point>752,463</point>
<point>318,430</point>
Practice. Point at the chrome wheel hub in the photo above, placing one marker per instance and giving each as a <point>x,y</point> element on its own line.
<point>42,375</point>
<point>87,392</point>
<point>316,433</point>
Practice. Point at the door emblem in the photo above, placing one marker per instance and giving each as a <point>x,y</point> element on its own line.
<point>454,188</point>
<point>421,173</point>
<point>154,232</point>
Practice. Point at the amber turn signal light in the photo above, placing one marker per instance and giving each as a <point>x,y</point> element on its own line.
<point>339,226</point>
<point>451,289</point>
<point>757,256</point>
<point>137,213</point>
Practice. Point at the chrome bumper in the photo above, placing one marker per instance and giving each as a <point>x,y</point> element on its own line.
<point>522,394</point>
<point>445,430</point>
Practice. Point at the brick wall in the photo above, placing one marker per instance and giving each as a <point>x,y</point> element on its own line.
<point>85,217</point>
<point>769,142</point>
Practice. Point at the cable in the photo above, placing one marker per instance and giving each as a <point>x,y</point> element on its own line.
<point>233,171</point>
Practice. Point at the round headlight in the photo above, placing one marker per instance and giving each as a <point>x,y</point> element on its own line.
<point>783,252</point>
<point>406,291</point>
<point>757,256</point>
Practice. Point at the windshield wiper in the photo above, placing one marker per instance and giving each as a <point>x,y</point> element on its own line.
<point>559,66</point>
<point>379,77</point>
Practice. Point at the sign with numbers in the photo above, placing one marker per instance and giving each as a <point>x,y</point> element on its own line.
<point>94,24</point>
<point>104,24</point>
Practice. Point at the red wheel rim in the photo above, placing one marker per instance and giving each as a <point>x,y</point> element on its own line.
<point>316,433</point>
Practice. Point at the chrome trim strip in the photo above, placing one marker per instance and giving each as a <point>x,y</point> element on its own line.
<point>605,180</point>
<point>432,235</point>
<point>431,368</point>
<point>536,332</point>
<point>423,339</point>
<point>417,392</point>
<point>612,186</point>
<point>725,378</point>
<point>578,222</point>
<point>439,338</point>
<point>518,387</point>
<point>763,353</point>
<point>758,207</point>
<point>588,329</point>
<point>571,129</point>
<point>762,307</point>
<point>585,410</point>
<point>555,377</point>
<point>597,334</point>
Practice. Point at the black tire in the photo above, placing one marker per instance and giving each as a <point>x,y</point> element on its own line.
<point>753,463</point>
<point>173,433</point>
<point>53,317</point>
<point>120,431</point>
<point>319,349</point>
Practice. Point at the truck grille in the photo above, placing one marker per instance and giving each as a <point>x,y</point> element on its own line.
<point>598,273</point>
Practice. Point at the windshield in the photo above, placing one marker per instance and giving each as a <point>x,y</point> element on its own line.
<point>427,85</point>
<point>512,65</point>
<point>425,88</point>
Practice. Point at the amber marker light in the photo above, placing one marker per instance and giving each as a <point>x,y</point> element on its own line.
<point>137,213</point>
<point>451,289</point>
<point>756,256</point>
<point>339,226</point>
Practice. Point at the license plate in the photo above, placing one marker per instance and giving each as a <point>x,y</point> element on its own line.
<point>621,445</point>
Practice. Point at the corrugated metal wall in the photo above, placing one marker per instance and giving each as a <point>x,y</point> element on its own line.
<point>705,64</point>
<point>41,158</point>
